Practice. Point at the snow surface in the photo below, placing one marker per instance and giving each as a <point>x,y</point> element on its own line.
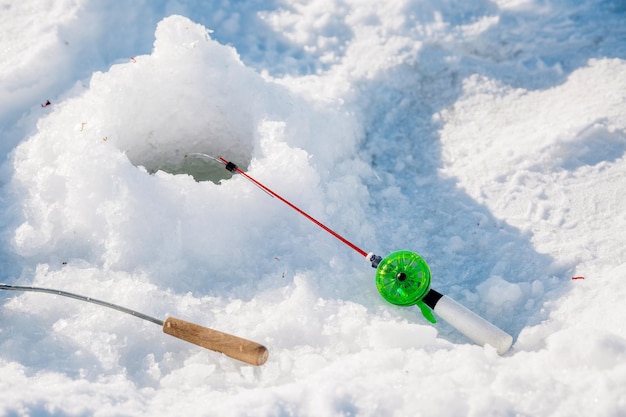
<point>488,136</point>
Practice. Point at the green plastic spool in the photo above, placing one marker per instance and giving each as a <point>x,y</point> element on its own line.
<point>403,279</point>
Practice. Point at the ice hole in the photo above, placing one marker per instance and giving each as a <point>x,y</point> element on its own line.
<point>198,167</point>
<point>187,156</point>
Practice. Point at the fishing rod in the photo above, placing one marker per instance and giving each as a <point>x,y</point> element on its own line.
<point>233,346</point>
<point>403,278</point>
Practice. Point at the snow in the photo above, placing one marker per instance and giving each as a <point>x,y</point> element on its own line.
<point>487,136</point>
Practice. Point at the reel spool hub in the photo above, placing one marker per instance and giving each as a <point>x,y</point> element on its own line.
<point>403,279</point>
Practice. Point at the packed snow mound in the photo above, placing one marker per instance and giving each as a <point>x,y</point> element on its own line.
<point>94,198</point>
<point>190,95</point>
<point>210,111</point>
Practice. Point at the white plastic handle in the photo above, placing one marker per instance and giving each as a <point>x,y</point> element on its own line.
<point>472,325</point>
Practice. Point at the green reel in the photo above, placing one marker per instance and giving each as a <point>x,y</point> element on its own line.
<point>403,279</point>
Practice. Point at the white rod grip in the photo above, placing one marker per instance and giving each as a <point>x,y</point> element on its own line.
<point>472,325</point>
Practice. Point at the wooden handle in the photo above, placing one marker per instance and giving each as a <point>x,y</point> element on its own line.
<point>237,348</point>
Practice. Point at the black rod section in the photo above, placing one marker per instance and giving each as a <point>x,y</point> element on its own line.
<point>431,298</point>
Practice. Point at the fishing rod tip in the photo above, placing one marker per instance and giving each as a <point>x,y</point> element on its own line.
<point>201,155</point>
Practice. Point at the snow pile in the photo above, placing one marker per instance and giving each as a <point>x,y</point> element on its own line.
<point>137,114</point>
<point>488,136</point>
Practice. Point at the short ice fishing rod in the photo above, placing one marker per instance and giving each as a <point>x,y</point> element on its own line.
<point>235,347</point>
<point>403,278</point>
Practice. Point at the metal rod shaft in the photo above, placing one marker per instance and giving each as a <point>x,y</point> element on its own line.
<point>82,298</point>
